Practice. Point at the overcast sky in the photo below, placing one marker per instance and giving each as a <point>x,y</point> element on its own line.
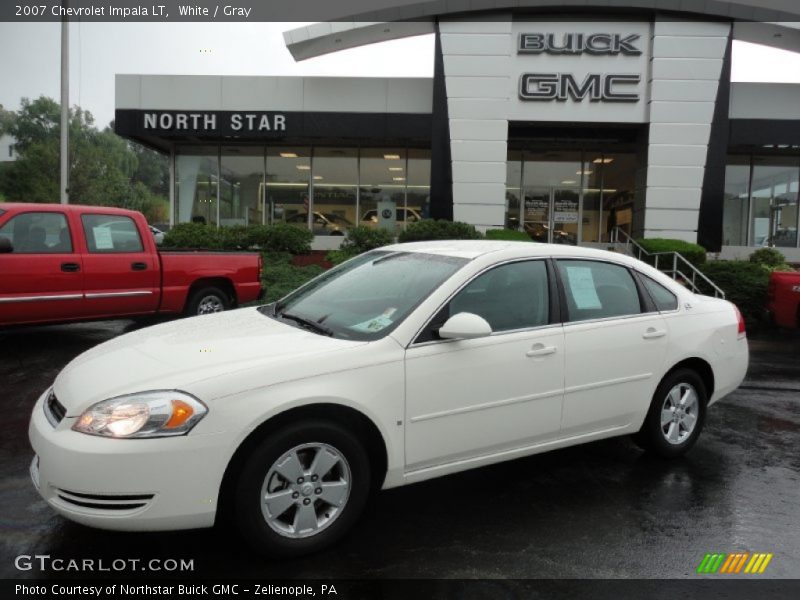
<point>30,58</point>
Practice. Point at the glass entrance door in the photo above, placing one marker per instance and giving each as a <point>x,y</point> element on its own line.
<point>551,214</point>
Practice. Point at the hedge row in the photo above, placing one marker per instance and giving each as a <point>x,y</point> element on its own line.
<point>694,253</point>
<point>270,238</point>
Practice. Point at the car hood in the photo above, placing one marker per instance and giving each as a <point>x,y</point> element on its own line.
<point>181,353</point>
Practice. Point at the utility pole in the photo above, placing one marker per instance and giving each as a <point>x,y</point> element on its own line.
<point>64,184</point>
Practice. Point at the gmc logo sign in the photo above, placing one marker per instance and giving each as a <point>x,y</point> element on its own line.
<point>561,86</point>
<point>579,43</point>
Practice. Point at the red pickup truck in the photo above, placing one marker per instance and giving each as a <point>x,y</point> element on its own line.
<point>77,263</point>
<point>783,298</point>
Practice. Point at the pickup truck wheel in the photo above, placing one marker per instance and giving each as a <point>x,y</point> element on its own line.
<point>676,416</point>
<point>207,300</point>
<point>301,489</point>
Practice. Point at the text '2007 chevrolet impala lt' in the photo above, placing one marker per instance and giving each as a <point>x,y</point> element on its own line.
<point>403,364</point>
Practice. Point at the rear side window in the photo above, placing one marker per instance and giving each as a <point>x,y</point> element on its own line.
<point>598,290</point>
<point>38,233</point>
<point>111,233</point>
<point>663,298</point>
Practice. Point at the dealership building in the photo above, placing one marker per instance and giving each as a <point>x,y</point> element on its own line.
<point>562,119</point>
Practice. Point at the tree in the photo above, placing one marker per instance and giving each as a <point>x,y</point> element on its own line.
<point>103,166</point>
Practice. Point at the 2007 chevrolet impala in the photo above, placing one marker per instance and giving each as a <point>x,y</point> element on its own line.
<point>402,364</point>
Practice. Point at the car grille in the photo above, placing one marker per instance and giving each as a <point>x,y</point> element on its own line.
<point>115,502</point>
<point>53,409</point>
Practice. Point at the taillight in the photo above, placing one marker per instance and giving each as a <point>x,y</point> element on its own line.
<point>741,332</point>
<point>260,267</point>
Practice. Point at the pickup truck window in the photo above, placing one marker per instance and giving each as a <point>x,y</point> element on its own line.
<point>38,233</point>
<point>111,233</point>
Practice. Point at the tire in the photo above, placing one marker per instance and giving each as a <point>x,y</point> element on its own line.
<point>313,518</point>
<point>207,300</point>
<point>680,428</point>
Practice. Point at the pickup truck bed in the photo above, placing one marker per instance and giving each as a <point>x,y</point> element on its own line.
<point>68,263</point>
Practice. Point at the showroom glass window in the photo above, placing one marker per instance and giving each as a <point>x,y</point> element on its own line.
<point>382,178</point>
<point>617,187</point>
<point>598,290</point>
<point>196,184</point>
<point>288,184</point>
<point>241,185</point>
<point>774,191</point>
<point>38,233</point>
<point>737,201</point>
<point>335,188</point>
<point>513,189</point>
<point>418,185</point>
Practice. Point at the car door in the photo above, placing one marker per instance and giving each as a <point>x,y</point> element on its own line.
<point>121,272</point>
<point>41,279</point>
<point>473,397</point>
<point>615,346</point>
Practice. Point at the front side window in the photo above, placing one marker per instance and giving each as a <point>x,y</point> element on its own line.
<point>509,297</point>
<point>111,233</point>
<point>38,233</point>
<point>663,298</point>
<point>368,296</point>
<point>598,290</point>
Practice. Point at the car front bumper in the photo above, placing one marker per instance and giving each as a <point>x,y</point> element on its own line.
<point>134,485</point>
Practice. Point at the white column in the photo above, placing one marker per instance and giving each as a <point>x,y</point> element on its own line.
<point>685,72</point>
<point>477,68</point>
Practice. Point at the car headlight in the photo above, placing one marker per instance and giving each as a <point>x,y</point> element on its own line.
<point>158,413</point>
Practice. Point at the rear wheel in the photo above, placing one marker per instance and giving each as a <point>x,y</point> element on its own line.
<point>676,416</point>
<point>207,300</point>
<point>301,489</point>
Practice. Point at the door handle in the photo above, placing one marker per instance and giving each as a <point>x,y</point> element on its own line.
<point>70,267</point>
<point>540,350</point>
<point>138,266</point>
<point>652,334</point>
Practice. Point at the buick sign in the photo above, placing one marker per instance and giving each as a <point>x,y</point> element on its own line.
<point>579,43</point>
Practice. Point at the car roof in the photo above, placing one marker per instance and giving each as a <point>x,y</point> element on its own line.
<point>51,207</point>
<point>475,248</point>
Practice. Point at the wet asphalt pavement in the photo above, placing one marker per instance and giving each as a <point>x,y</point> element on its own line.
<point>600,510</point>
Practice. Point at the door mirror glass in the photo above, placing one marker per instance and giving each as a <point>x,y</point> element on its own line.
<point>465,326</point>
<point>5,245</point>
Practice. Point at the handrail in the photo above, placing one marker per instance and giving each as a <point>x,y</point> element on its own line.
<point>676,257</point>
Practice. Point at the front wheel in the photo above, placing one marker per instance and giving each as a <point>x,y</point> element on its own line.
<point>676,416</point>
<point>301,489</point>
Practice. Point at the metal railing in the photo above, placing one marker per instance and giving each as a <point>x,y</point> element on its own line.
<point>670,263</point>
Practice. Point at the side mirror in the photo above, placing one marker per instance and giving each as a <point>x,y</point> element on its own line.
<point>5,245</point>
<point>465,326</point>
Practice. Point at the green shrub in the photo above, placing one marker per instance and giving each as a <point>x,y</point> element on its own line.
<point>193,236</point>
<point>282,237</point>
<point>271,238</point>
<point>429,229</point>
<point>744,284</point>
<point>280,278</point>
<point>362,239</point>
<point>337,257</point>
<point>509,235</point>
<point>694,253</point>
<point>769,257</point>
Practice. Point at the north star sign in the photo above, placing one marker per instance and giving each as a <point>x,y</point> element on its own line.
<point>210,122</point>
<point>597,87</point>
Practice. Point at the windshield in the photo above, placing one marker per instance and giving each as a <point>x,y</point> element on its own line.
<point>368,296</point>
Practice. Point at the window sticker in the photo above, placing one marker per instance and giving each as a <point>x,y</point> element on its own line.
<point>102,238</point>
<point>382,321</point>
<point>581,285</point>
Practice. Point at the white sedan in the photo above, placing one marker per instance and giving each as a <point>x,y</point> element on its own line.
<point>403,364</point>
